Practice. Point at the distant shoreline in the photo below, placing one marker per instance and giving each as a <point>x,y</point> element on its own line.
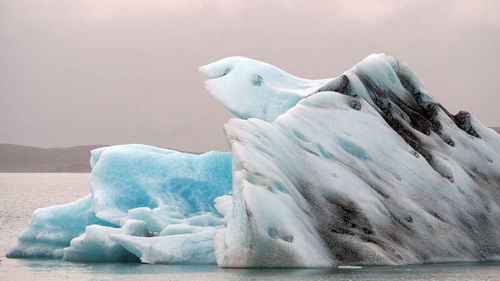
<point>28,159</point>
<point>16,158</point>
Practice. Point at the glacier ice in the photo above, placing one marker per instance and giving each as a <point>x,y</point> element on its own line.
<point>136,191</point>
<point>364,168</point>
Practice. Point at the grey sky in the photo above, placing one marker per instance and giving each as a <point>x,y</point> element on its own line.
<point>123,71</point>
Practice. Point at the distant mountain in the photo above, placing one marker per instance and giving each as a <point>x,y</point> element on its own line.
<point>27,159</point>
<point>496,129</point>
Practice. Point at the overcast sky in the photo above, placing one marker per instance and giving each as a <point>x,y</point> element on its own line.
<point>123,71</point>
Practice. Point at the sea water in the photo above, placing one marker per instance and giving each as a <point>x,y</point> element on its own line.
<point>22,193</point>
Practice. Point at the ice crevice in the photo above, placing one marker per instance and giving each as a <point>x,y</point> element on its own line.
<point>364,168</point>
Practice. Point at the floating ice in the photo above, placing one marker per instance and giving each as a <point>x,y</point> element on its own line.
<point>137,191</point>
<point>365,168</point>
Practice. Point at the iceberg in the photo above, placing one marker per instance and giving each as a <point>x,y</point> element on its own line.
<point>368,170</point>
<point>364,168</point>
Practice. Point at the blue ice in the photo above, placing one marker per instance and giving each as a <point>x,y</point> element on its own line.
<point>136,191</point>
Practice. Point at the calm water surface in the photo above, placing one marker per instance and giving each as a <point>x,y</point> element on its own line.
<point>21,194</point>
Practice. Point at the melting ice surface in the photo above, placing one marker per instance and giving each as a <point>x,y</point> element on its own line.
<point>365,168</point>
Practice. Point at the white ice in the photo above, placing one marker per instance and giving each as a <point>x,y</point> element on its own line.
<point>330,182</point>
<point>250,88</point>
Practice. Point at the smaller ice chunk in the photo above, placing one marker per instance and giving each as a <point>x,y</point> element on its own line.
<point>349,267</point>
<point>188,248</point>
<point>135,228</point>
<point>95,244</point>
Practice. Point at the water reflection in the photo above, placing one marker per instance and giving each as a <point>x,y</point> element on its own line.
<point>41,265</point>
<point>52,269</point>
